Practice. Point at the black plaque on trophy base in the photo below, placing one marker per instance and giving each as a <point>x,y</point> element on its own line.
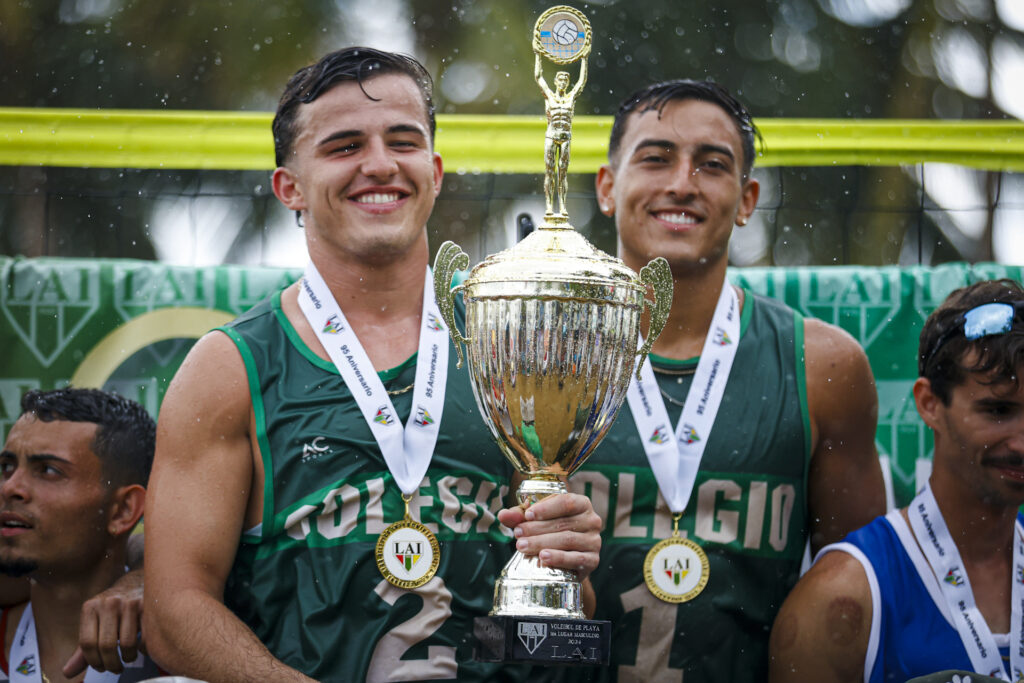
<point>542,640</point>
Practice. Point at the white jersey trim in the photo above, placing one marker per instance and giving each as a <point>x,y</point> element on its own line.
<point>875,634</point>
<point>924,570</point>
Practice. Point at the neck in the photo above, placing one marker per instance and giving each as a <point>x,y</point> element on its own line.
<point>983,531</point>
<point>694,298</point>
<point>57,605</point>
<point>376,291</point>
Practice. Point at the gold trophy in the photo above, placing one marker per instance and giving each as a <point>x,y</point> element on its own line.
<point>552,329</point>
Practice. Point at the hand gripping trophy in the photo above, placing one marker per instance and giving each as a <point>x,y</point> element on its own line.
<point>552,329</point>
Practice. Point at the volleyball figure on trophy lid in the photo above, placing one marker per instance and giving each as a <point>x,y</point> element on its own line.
<point>552,335</point>
<point>562,35</point>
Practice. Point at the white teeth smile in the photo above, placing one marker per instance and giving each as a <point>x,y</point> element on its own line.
<point>377,198</point>
<point>677,218</point>
<point>19,525</point>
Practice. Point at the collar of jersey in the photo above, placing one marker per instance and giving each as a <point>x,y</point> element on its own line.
<point>326,365</point>
<point>677,364</point>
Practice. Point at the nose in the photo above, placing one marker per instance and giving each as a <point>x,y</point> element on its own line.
<point>14,485</point>
<point>378,160</point>
<point>683,181</point>
<point>1016,440</point>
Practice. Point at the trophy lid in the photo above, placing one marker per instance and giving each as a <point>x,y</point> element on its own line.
<point>554,262</point>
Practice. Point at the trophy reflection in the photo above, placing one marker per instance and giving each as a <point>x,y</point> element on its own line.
<point>552,329</point>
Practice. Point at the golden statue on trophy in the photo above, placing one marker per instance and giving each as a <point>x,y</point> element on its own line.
<point>563,36</point>
<point>558,105</point>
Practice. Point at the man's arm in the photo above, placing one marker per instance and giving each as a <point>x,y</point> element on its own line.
<point>538,75</point>
<point>110,623</point>
<point>576,89</point>
<point>198,495</point>
<point>845,487</point>
<point>821,633</point>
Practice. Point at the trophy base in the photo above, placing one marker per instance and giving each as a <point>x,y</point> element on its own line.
<point>542,640</point>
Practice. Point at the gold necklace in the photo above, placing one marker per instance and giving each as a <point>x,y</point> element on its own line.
<point>398,392</point>
<point>674,371</point>
<point>673,401</point>
<point>45,678</point>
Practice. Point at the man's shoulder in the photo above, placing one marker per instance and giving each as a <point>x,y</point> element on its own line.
<point>265,307</point>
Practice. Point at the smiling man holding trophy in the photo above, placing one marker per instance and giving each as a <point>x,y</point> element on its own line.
<point>552,330</point>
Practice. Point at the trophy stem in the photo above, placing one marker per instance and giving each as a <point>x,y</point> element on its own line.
<point>528,588</point>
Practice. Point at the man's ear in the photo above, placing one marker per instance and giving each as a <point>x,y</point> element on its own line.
<point>438,174</point>
<point>604,183</point>
<point>748,200</point>
<point>126,509</point>
<point>927,402</point>
<point>287,188</point>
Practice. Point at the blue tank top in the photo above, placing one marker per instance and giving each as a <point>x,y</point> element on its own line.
<point>911,633</point>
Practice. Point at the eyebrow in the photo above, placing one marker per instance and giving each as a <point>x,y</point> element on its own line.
<point>651,142</point>
<point>37,457</point>
<point>355,133</point>
<point>702,148</point>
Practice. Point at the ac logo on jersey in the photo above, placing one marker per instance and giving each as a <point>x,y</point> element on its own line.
<point>721,338</point>
<point>383,416</point>
<point>408,553</point>
<point>333,325</point>
<point>433,323</point>
<point>532,634</point>
<point>314,449</point>
<point>677,569</point>
<point>954,577</point>
<point>660,435</point>
<point>690,434</point>
<point>423,418</point>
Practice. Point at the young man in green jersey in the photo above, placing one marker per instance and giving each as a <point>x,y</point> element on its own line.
<point>773,446</point>
<point>297,442</point>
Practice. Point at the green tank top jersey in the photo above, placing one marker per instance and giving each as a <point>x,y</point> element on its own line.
<point>748,512</point>
<point>306,581</point>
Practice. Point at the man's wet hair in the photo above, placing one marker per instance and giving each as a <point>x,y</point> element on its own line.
<point>125,435</point>
<point>998,357</point>
<point>655,97</point>
<point>359,64</point>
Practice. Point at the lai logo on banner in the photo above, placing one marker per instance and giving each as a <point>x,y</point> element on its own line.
<point>47,305</point>
<point>863,303</point>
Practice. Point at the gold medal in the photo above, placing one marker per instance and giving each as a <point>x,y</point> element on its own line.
<point>407,552</point>
<point>676,569</point>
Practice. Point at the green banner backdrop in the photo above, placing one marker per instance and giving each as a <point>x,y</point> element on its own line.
<point>126,325</point>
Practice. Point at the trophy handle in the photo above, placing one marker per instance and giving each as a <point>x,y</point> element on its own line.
<point>658,275</point>
<point>450,258</point>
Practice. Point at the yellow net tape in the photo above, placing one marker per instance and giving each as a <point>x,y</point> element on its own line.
<point>486,144</point>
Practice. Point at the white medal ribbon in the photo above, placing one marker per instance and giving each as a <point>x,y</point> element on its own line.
<point>24,665</point>
<point>675,456</point>
<point>408,451</point>
<point>941,552</point>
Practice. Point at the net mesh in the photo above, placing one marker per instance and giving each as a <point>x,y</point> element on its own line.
<point>845,215</point>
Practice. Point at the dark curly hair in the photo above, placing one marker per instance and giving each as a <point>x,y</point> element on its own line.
<point>943,349</point>
<point>655,97</point>
<point>358,64</point>
<point>126,434</point>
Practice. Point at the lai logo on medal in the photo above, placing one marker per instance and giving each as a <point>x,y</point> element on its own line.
<point>407,554</point>
<point>676,569</point>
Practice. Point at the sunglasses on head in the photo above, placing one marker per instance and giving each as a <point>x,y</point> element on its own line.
<point>981,321</point>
